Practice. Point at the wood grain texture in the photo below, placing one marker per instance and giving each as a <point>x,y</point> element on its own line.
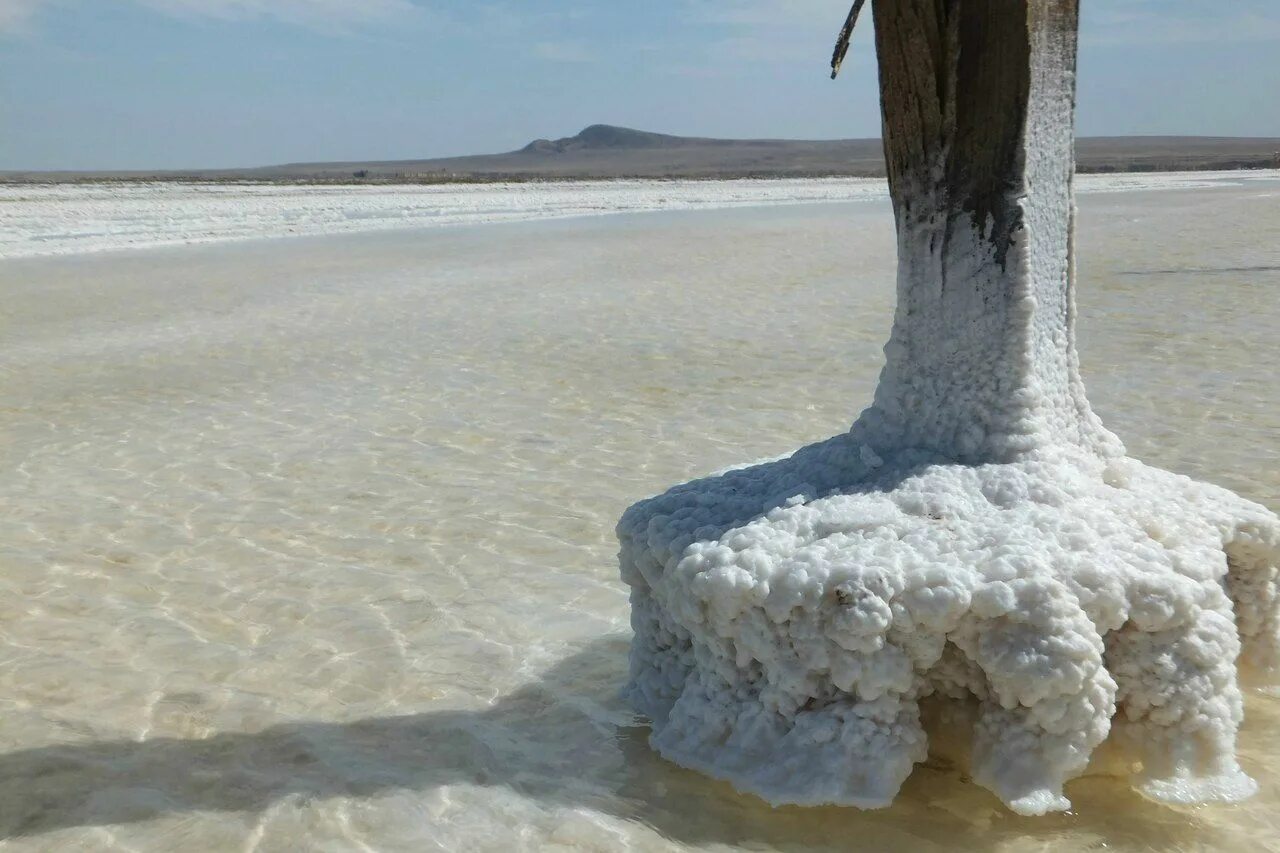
<point>956,80</point>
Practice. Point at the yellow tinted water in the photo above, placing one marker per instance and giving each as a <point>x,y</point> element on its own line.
<point>307,545</point>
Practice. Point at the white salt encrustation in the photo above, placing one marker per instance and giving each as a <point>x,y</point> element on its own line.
<point>977,536</point>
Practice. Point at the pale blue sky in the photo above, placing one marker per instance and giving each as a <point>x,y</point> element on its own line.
<point>188,83</point>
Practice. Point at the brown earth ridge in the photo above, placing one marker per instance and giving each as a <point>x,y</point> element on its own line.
<point>604,151</point>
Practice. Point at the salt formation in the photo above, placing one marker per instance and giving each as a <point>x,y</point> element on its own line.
<point>978,535</point>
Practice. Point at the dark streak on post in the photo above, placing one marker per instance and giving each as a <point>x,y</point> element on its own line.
<point>955,80</point>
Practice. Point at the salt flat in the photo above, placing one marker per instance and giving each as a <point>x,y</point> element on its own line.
<point>307,543</point>
<point>47,219</point>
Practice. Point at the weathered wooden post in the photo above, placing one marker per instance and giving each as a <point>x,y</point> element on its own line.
<point>977,535</point>
<point>978,102</point>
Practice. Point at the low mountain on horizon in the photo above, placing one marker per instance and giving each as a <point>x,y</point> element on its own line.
<point>609,151</point>
<point>599,137</point>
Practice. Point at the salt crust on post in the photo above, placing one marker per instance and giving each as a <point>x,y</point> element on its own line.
<point>977,536</point>
<point>790,616</point>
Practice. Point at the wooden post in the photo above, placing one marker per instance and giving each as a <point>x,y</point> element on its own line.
<point>978,102</point>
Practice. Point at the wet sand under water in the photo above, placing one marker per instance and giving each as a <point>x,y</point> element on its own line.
<point>308,544</point>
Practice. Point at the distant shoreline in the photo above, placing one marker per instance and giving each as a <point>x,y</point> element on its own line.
<point>445,179</point>
<point>607,153</point>
<point>60,219</point>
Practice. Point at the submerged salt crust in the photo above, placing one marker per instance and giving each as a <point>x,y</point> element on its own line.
<point>977,536</point>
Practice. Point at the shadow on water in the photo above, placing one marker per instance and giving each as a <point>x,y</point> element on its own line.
<point>565,740</point>
<point>1202,270</point>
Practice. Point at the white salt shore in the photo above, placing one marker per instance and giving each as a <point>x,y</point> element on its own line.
<point>307,543</point>
<point>51,219</point>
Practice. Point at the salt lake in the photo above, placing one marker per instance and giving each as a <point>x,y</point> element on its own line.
<point>308,543</point>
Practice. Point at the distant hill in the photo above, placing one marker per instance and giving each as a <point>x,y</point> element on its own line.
<point>605,151</point>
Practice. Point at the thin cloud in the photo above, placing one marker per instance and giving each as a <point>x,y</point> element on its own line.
<point>1103,21</point>
<point>775,32</point>
<point>1123,22</point>
<point>772,14</point>
<point>18,16</point>
<point>302,12</point>
<point>563,51</point>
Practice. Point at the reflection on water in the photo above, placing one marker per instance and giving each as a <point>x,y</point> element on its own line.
<point>308,545</point>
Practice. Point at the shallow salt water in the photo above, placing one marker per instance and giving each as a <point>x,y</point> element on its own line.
<point>307,544</point>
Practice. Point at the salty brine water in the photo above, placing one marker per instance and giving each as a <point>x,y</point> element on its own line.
<point>308,544</point>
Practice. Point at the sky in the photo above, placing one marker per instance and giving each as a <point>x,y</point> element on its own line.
<point>152,84</point>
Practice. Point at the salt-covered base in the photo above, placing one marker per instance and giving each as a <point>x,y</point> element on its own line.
<point>788,623</point>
